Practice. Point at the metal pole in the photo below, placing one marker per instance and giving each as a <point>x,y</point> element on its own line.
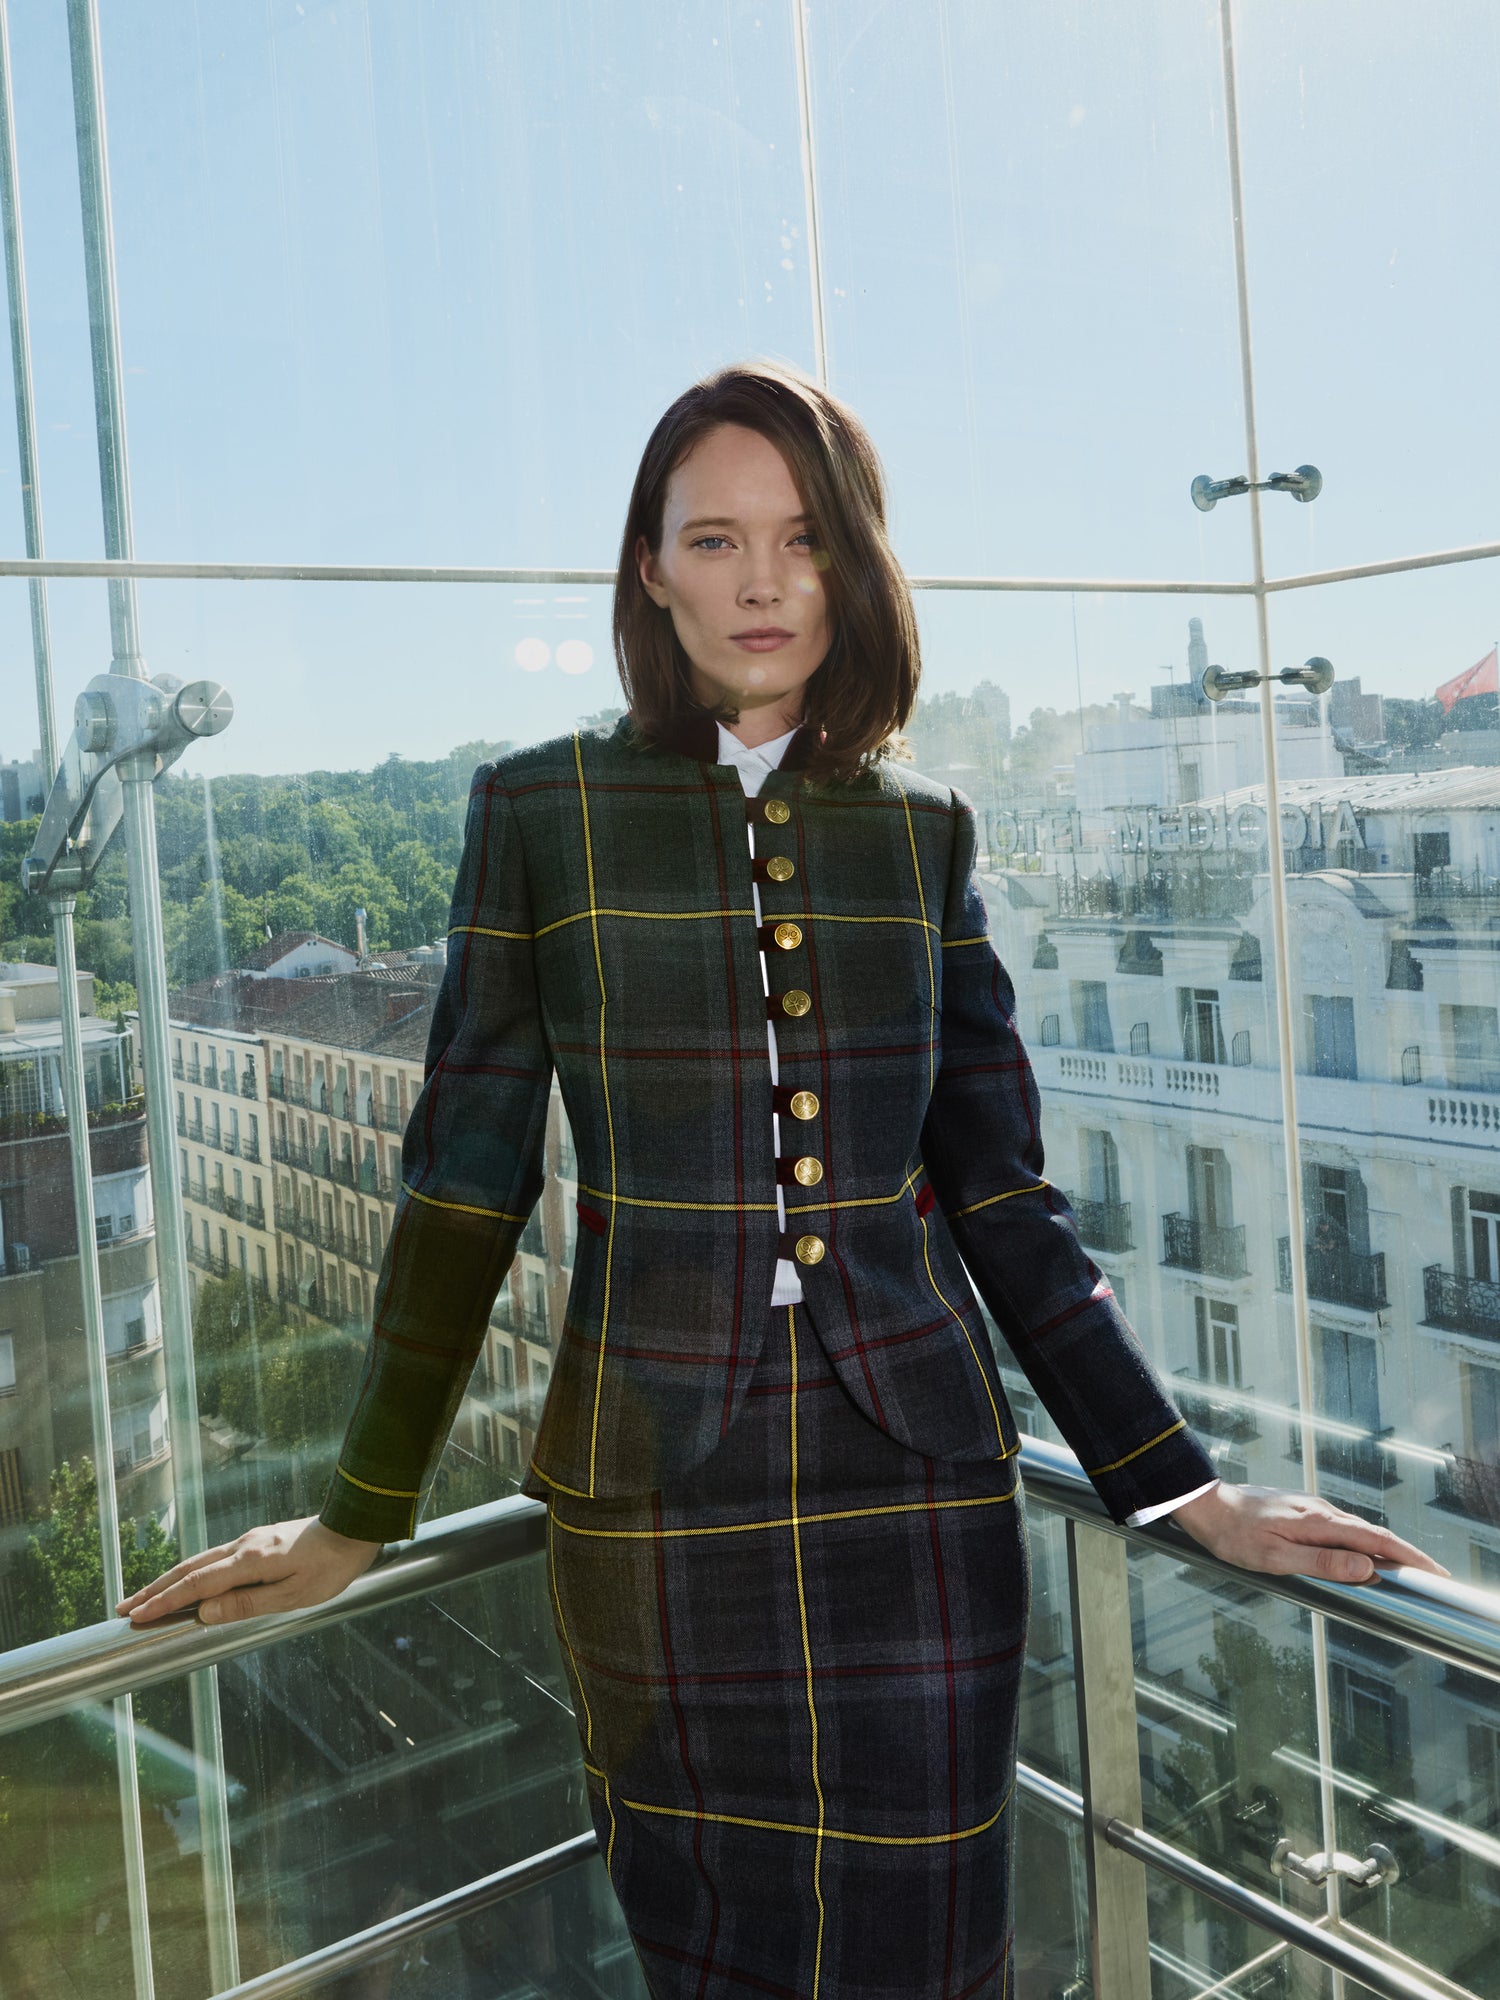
<point>810,191</point>
<point>74,1094</point>
<point>1110,1761</point>
<point>1281,932</point>
<point>76,1103</point>
<point>137,775</point>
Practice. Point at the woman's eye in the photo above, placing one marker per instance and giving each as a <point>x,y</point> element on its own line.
<point>704,539</point>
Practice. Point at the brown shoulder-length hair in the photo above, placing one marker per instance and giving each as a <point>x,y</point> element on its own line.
<point>862,693</point>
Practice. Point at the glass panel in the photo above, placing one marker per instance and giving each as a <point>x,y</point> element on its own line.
<point>423,278</point>
<point>1036,315</point>
<point>1125,875</point>
<point>1359,248</point>
<point>1050,1892</point>
<point>368,1768</point>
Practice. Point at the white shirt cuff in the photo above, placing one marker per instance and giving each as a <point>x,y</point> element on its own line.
<point>1144,1514</point>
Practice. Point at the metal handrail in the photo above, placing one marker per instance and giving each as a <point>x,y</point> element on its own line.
<point>1454,1622</point>
<point>1333,1948</point>
<point>360,1947</point>
<point>1451,1621</point>
<point>1458,1623</point>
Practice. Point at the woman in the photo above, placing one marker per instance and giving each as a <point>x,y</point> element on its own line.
<point>787,1553</point>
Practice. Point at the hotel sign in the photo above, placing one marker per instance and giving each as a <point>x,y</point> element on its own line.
<point>1196,829</point>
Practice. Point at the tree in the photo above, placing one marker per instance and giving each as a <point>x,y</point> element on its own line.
<point>59,1575</point>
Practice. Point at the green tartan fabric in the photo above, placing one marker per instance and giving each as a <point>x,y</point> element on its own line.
<point>603,926</point>
<point>795,1674</point>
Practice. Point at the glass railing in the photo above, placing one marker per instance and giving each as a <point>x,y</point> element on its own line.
<point>402,1786</point>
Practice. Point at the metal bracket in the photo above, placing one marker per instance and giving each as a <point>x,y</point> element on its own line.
<point>117,720</point>
<point>1379,1865</point>
<point>1315,674</point>
<point>1306,483</point>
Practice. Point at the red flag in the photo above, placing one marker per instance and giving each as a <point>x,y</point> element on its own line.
<point>1482,678</point>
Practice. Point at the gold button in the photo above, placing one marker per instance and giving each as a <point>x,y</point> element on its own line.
<point>795,1002</point>
<point>778,812</point>
<point>780,869</point>
<point>804,1105</point>
<point>788,936</point>
<point>810,1249</point>
<point>808,1171</point>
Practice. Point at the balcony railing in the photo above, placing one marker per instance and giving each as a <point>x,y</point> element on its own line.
<point>1364,1460</point>
<point>1191,1245</point>
<point>1102,1225</point>
<point>1215,1408</point>
<point>1450,1624</point>
<point>1338,1277</point>
<point>1469,1486</point>
<point>1459,1304</point>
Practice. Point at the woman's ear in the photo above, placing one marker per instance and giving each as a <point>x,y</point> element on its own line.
<point>646,568</point>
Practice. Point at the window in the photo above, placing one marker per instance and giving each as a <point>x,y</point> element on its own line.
<point>1348,1386</point>
<point>1202,1031</point>
<point>1049,1034</point>
<point>1210,1195</point>
<point>1331,1031</point>
<point>1484,1236</point>
<point>1140,1039</point>
<point>1101,1166</point>
<point>1369,1718</point>
<point>1218,1331</point>
<point>1091,1014</point>
<point>1471,1042</point>
<point>1239,1049</point>
<point>7,1363</point>
<point>1481,1399</point>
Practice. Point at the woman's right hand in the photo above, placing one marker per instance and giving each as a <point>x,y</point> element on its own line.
<point>280,1567</point>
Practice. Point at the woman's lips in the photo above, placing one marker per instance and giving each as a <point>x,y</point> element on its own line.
<point>756,642</point>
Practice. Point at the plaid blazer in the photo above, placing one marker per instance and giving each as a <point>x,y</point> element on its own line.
<point>603,926</point>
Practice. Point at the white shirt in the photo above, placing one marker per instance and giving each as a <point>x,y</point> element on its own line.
<point>752,766</point>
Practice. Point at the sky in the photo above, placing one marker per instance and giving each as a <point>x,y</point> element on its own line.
<point>410,281</point>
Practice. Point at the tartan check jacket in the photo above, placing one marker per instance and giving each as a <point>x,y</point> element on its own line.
<point>603,926</point>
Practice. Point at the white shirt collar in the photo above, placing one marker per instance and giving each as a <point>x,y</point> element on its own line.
<point>752,761</point>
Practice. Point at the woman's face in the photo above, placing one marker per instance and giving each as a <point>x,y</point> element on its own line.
<point>739,556</point>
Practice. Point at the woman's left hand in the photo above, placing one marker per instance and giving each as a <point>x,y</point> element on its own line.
<point>1294,1534</point>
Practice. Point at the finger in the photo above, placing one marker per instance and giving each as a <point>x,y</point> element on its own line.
<point>1333,1564</point>
<point>1350,1531</point>
<point>172,1575</point>
<point>207,1580</point>
<point>232,1605</point>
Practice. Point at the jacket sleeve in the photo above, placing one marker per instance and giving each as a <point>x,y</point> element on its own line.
<point>471,1171</point>
<point>982,1147</point>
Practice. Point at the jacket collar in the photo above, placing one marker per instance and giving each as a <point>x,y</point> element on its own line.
<point>696,735</point>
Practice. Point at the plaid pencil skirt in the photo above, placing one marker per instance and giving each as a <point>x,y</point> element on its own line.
<point>795,1675</point>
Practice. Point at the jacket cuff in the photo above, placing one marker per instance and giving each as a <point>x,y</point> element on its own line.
<point>1165,1467</point>
<point>356,1510</point>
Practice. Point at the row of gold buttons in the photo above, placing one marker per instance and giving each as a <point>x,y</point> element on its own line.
<point>807,1170</point>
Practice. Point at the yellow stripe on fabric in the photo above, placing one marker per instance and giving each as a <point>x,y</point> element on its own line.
<point>990,1199</point>
<point>952,944</point>
<point>460,1207</point>
<point>793,1209</point>
<point>609,1254</point>
<point>916,869</point>
<point>588,1717</point>
<point>1115,1464</point>
<point>386,1492</point>
<point>975,1357</point>
<point>812,1709</point>
<point>756,1527</point>
<point>556,1484</point>
<point>827,1832</point>
<point>678,916</point>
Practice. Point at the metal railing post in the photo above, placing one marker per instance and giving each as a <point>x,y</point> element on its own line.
<point>1109,1757</point>
<point>137,775</point>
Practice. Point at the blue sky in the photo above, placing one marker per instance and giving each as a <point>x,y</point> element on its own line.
<point>410,281</point>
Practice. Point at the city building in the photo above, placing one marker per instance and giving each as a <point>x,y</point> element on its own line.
<point>327,1066</point>
<point>45,1414</point>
